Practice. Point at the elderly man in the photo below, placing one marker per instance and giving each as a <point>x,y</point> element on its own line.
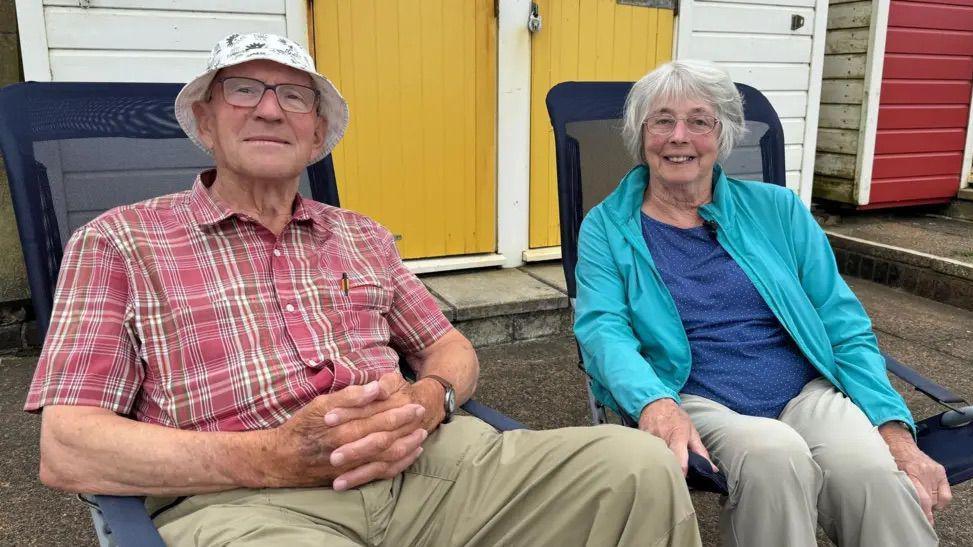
<point>253,335</point>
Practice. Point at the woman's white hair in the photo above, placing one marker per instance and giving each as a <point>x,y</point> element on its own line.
<point>679,80</point>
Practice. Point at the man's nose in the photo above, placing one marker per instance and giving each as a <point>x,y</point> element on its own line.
<point>268,107</point>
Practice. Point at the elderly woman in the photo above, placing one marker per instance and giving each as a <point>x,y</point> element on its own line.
<point>710,310</point>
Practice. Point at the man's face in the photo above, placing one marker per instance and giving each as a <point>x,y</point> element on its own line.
<point>264,141</point>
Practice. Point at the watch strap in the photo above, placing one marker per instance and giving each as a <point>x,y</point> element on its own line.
<point>450,395</point>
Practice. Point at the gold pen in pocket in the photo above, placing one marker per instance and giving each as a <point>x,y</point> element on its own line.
<point>344,282</point>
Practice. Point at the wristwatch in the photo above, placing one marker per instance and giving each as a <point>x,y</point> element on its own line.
<point>449,400</point>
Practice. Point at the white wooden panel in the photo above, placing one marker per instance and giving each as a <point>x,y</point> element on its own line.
<point>788,104</point>
<point>239,6</point>
<point>805,3</point>
<point>743,48</point>
<point>793,130</point>
<point>814,101</point>
<point>770,77</point>
<point>149,30</point>
<point>753,18</point>
<point>793,153</point>
<point>139,66</point>
<point>850,15</point>
<point>844,66</point>
<point>33,44</point>
<point>794,180</point>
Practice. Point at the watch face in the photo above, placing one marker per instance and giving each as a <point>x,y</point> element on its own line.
<point>450,400</point>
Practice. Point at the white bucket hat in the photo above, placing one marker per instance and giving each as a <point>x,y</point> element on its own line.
<point>240,48</point>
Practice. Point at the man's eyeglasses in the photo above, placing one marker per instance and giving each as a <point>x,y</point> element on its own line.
<point>664,124</point>
<point>247,92</point>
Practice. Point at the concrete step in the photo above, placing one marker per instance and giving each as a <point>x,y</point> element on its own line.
<point>930,256</point>
<point>499,306</point>
<point>962,206</point>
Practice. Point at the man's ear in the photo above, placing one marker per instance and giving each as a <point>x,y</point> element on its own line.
<point>320,134</point>
<point>204,124</point>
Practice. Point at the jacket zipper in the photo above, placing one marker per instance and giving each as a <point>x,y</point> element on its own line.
<point>722,238</point>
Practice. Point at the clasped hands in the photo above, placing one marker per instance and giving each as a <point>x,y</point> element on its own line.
<point>356,435</point>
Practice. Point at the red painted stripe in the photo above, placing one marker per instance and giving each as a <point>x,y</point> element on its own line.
<point>930,16</point>
<point>922,116</point>
<point>947,42</point>
<point>917,165</point>
<point>925,92</point>
<point>904,65</point>
<point>896,191</point>
<point>948,2</point>
<point>904,203</point>
<point>903,141</point>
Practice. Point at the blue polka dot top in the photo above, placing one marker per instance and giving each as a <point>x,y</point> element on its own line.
<point>742,357</point>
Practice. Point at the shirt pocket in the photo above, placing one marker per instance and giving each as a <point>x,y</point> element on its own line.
<point>368,292</point>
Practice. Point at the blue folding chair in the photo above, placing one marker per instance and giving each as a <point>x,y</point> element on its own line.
<point>74,150</point>
<point>591,160</point>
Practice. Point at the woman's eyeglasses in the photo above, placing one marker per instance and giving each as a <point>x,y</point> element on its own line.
<point>663,125</point>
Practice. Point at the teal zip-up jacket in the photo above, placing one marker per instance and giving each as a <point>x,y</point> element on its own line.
<point>632,339</point>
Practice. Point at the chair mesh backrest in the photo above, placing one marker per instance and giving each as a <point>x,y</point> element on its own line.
<point>592,159</point>
<point>75,150</point>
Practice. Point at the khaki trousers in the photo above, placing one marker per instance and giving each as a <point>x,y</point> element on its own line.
<point>598,486</point>
<point>821,462</point>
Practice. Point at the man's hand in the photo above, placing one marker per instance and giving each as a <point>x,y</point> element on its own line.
<point>664,419</point>
<point>386,440</point>
<point>926,475</point>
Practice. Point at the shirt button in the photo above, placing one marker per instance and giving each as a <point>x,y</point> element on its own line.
<point>276,252</point>
<point>289,307</point>
<point>311,363</point>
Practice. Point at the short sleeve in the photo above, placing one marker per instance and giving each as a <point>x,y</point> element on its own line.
<point>414,318</point>
<point>89,358</point>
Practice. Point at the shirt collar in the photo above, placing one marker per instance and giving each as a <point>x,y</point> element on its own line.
<point>208,211</point>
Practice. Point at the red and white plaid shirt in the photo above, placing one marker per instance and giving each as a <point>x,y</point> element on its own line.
<point>183,313</point>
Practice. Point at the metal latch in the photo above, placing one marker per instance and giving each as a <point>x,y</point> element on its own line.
<point>797,21</point>
<point>534,20</point>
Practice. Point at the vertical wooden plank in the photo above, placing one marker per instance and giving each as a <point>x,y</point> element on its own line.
<point>349,144</point>
<point>412,174</point>
<point>453,140</point>
<point>388,183</point>
<point>486,99</point>
<point>587,54</point>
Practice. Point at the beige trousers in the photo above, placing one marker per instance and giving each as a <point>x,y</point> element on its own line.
<point>821,462</point>
<point>599,486</point>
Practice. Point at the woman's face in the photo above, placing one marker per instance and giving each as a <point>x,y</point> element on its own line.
<point>682,156</point>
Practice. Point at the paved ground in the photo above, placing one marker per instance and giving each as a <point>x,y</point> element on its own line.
<point>535,382</point>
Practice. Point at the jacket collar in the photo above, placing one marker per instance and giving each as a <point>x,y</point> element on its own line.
<point>624,204</point>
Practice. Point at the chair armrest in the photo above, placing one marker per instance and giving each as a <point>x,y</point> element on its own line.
<point>491,416</point>
<point>933,390</point>
<point>128,522</point>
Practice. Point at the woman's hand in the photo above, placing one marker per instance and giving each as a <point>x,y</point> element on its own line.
<point>664,419</point>
<point>928,476</point>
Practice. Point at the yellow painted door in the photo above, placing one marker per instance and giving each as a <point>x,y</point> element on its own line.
<point>593,40</point>
<point>420,80</point>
